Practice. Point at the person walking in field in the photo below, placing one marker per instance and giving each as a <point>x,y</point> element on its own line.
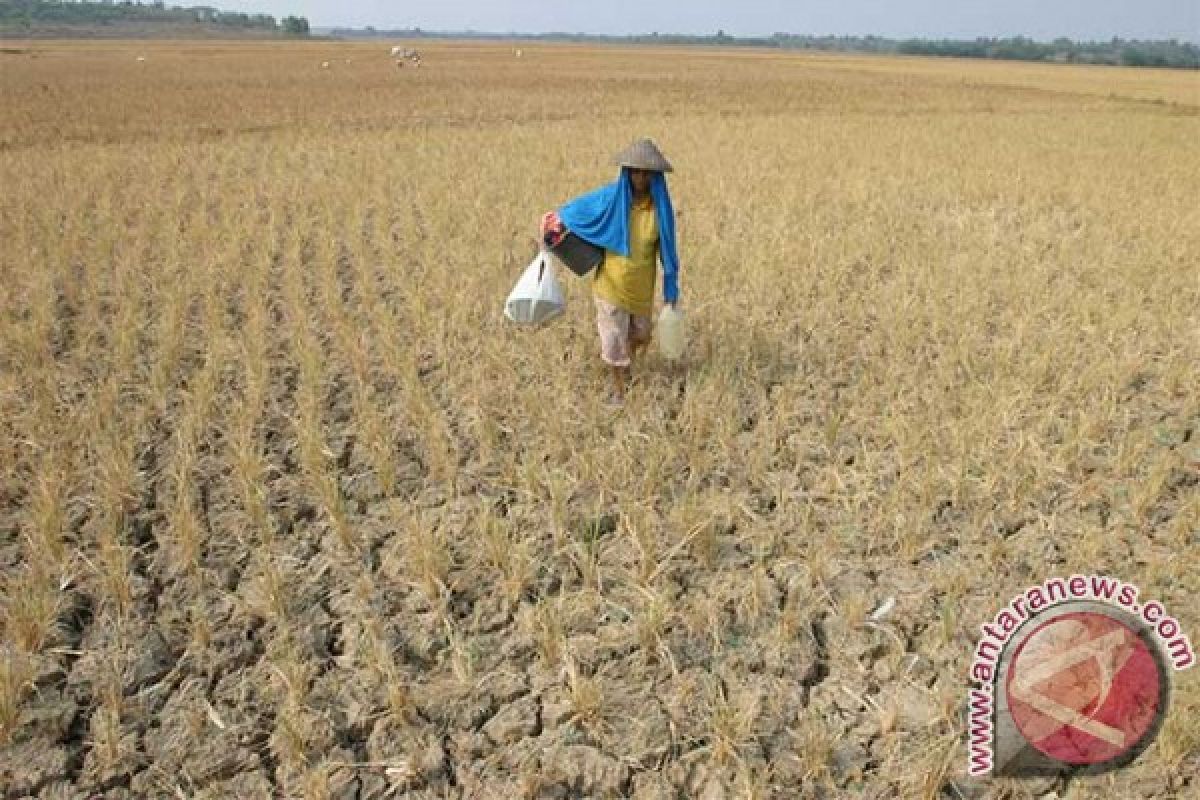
<point>633,221</point>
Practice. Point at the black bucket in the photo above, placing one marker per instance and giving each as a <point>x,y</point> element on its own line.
<point>580,255</point>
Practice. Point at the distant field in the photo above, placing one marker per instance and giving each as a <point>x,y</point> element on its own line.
<point>288,508</point>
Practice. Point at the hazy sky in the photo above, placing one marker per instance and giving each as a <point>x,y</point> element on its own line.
<point>1040,19</point>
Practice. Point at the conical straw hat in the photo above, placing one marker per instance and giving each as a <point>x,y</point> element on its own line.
<point>642,154</point>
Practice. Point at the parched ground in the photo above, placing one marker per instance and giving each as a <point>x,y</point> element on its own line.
<point>289,509</point>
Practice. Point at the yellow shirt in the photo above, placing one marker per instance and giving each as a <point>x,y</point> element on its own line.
<point>629,282</point>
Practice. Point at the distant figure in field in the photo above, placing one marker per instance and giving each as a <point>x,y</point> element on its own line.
<point>633,220</point>
<point>402,54</point>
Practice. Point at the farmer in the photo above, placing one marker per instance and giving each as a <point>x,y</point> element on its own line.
<point>632,219</point>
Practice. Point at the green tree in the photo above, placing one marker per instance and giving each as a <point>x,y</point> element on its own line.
<point>295,26</point>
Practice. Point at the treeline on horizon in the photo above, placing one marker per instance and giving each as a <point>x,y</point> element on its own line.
<point>1115,52</point>
<point>19,15</point>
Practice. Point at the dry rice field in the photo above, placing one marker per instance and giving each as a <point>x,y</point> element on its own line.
<point>289,509</point>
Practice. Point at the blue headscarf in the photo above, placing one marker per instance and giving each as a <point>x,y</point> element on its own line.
<point>602,218</point>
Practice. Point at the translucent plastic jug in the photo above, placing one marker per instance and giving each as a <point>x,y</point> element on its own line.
<point>671,334</point>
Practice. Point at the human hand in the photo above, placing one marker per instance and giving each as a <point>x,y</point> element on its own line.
<point>551,223</point>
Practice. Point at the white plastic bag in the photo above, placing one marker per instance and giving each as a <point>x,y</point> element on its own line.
<point>537,297</point>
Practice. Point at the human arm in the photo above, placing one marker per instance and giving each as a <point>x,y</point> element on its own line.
<point>670,280</point>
